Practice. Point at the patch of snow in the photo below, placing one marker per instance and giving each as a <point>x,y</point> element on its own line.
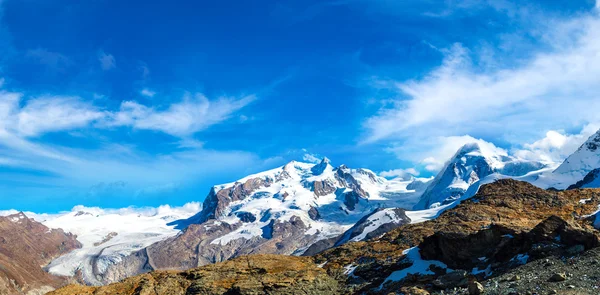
<point>487,271</point>
<point>419,266</point>
<point>521,258</point>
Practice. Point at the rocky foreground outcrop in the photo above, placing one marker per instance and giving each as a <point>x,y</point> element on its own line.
<point>255,274</point>
<point>506,224</point>
<point>511,208</point>
<point>25,247</point>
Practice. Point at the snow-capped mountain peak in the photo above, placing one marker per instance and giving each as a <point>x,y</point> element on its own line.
<point>465,171</point>
<point>466,167</point>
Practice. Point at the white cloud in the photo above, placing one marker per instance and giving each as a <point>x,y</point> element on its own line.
<point>195,113</point>
<point>35,116</point>
<point>107,61</point>
<point>46,114</point>
<point>147,92</point>
<point>311,158</point>
<point>554,88</point>
<point>43,114</point>
<point>400,173</point>
<point>433,153</point>
<point>556,146</point>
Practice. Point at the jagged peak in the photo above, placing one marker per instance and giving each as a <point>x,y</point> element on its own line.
<point>321,167</point>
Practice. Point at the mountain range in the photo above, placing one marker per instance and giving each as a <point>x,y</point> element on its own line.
<point>314,210</point>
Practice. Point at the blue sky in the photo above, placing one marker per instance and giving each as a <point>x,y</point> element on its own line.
<point>119,103</point>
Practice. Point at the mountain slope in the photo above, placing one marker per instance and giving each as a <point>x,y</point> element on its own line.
<point>26,246</point>
<point>280,211</point>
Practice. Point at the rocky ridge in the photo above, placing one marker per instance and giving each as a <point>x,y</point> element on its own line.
<point>255,274</point>
<point>25,247</point>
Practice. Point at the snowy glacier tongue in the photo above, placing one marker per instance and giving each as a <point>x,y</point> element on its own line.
<point>108,235</point>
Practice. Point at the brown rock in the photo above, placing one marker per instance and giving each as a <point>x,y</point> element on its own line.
<point>557,277</point>
<point>457,278</point>
<point>413,291</point>
<point>475,288</point>
<point>257,274</point>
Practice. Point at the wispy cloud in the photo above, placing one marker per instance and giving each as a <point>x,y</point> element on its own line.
<point>147,92</point>
<point>400,173</point>
<point>460,96</point>
<point>195,113</point>
<point>432,154</point>
<point>107,61</point>
<point>35,116</point>
<point>23,120</point>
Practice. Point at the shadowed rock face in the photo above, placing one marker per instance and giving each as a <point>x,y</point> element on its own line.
<point>590,179</point>
<point>256,274</point>
<point>25,246</point>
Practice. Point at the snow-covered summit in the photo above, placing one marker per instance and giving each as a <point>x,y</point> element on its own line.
<point>327,199</point>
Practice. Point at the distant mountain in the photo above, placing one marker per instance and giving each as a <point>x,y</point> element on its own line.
<point>280,211</point>
<point>26,246</point>
<point>467,170</point>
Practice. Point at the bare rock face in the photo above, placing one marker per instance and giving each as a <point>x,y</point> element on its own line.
<point>346,179</point>
<point>249,275</point>
<point>498,244</point>
<point>323,188</point>
<point>25,246</point>
<point>217,201</point>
